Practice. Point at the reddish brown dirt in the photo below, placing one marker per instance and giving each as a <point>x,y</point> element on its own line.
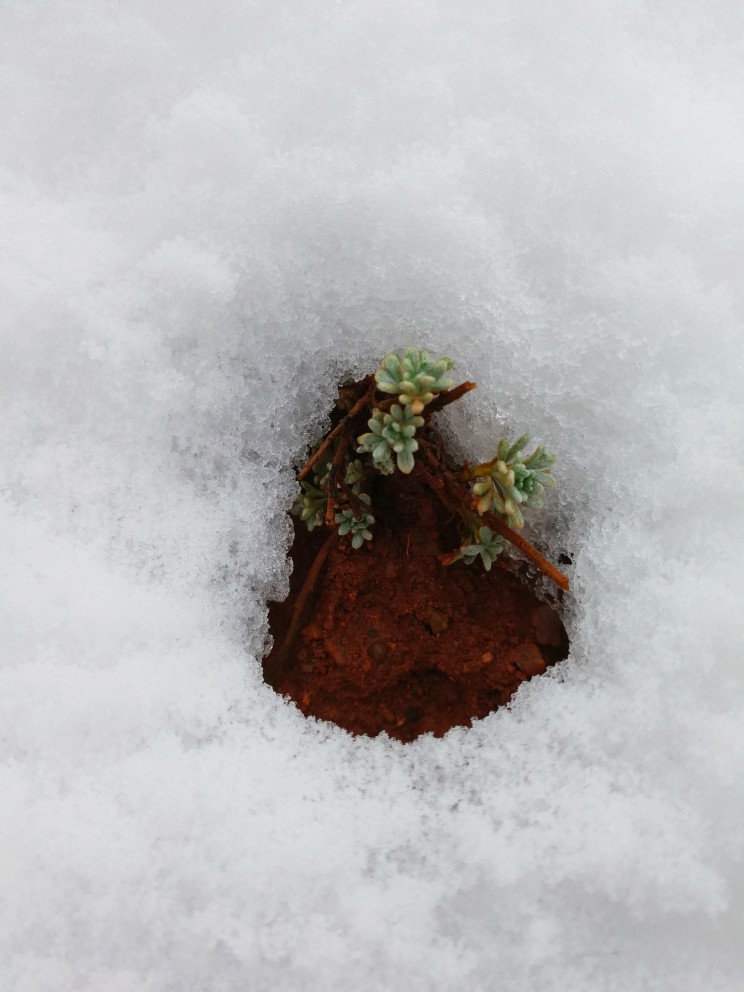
<point>391,640</point>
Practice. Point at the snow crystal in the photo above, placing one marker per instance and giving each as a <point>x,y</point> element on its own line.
<point>212,215</point>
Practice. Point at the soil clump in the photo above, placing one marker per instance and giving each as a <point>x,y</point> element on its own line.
<point>388,638</point>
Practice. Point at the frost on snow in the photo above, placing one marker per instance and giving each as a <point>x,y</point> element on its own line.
<point>209,216</point>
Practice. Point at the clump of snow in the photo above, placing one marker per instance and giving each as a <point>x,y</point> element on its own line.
<point>211,215</point>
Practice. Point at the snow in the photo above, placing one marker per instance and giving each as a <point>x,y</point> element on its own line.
<point>210,215</point>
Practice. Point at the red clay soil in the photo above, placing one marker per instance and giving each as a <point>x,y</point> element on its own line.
<point>392,640</point>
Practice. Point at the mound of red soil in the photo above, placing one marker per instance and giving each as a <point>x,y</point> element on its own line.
<point>390,639</point>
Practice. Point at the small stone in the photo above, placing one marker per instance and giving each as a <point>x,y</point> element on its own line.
<point>438,621</point>
<point>548,626</point>
<point>487,658</point>
<point>336,652</point>
<point>529,659</point>
<point>377,650</point>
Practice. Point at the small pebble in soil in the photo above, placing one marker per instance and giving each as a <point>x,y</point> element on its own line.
<point>438,621</point>
<point>548,627</point>
<point>528,658</point>
<point>377,650</point>
<point>337,653</point>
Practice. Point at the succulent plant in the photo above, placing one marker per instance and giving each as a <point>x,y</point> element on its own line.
<point>400,428</point>
<point>309,505</point>
<point>503,486</point>
<point>354,474</point>
<point>508,482</point>
<point>489,547</point>
<point>358,527</point>
<point>413,377</point>
<point>322,468</point>
<point>392,432</point>
<point>376,444</point>
<point>323,473</point>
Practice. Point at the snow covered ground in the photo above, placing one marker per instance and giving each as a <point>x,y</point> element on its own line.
<point>208,214</point>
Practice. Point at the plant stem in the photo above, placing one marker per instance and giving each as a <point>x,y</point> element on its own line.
<point>527,549</point>
<point>456,497</point>
<point>364,400</point>
<point>444,399</point>
<point>336,480</point>
<point>470,472</point>
<point>274,669</point>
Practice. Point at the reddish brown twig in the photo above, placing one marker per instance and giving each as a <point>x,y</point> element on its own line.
<point>274,669</point>
<point>527,549</point>
<point>336,479</point>
<point>456,497</point>
<point>444,399</point>
<point>364,400</point>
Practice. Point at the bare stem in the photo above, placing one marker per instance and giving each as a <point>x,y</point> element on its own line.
<point>456,497</point>
<point>527,549</point>
<point>364,400</point>
<point>335,479</point>
<point>444,399</point>
<point>470,472</point>
<point>277,666</point>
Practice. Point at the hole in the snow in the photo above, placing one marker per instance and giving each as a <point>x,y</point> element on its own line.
<point>387,637</point>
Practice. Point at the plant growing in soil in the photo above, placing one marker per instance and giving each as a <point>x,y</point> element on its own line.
<point>396,405</point>
<point>384,629</point>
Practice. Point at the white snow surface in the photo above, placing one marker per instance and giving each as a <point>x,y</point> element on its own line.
<point>209,215</point>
